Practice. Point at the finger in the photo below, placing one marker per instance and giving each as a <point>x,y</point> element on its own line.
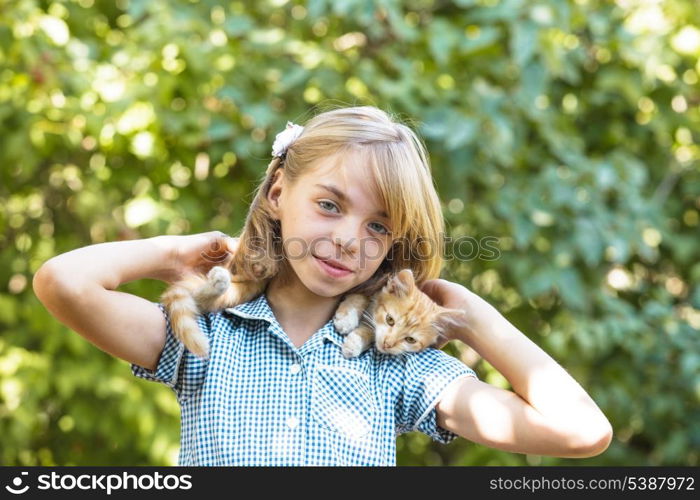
<point>442,342</point>
<point>223,243</point>
<point>227,261</point>
<point>215,252</point>
<point>232,244</point>
<point>427,287</point>
<point>432,289</point>
<point>228,243</point>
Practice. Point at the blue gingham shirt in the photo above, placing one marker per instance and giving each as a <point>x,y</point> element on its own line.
<point>259,400</point>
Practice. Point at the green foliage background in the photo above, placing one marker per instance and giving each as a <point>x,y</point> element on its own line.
<point>566,129</point>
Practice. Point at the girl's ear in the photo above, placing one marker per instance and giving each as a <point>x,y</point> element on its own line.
<point>275,192</point>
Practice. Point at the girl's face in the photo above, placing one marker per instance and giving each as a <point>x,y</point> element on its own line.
<point>334,227</point>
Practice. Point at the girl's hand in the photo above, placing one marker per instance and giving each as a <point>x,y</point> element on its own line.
<point>453,296</point>
<point>197,253</point>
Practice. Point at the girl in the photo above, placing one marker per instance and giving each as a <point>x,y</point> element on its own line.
<point>345,199</point>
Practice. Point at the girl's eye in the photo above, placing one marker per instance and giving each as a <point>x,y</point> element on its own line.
<point>389,320</point>
<point>410,340</point>
<point>328,206</point>
<point>379,228</point>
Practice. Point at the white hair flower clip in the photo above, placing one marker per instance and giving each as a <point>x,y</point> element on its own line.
<point>285,138</point>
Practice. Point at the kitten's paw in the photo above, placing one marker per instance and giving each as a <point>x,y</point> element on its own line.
<point>219,278</point>
<point>346,321</point>
<point>352,347</point>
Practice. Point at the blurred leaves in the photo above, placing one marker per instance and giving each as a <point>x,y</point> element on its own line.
<point>567,130</point>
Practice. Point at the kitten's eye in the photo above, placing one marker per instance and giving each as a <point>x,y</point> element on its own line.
<point>410,340</point>
<point>389,320</point>
<point>328,206</point>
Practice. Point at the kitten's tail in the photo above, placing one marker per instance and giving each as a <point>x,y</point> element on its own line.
<point>183,310</point>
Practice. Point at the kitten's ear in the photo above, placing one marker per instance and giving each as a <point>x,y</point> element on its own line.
<point>406,277</point>
<point>400,283</point>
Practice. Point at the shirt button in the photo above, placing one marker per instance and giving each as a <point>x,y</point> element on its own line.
<point>295,368</point>
<point>292,422</point>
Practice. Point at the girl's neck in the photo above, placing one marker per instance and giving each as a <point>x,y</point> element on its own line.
<point>299,311</point>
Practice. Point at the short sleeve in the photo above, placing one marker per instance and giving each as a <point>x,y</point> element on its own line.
<point>178,368</point>
<point>427,374</point>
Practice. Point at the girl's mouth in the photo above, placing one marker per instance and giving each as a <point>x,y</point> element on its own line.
<point>331,269</point>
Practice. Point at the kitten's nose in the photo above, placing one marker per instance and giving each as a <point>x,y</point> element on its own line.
<point>386,345</point>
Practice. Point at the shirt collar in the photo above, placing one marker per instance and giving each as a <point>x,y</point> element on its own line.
<point>259,309</point>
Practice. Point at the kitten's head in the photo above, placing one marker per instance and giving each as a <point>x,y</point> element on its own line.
<point>406,319</point>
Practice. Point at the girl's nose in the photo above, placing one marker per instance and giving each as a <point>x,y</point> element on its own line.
<point>347,236</point>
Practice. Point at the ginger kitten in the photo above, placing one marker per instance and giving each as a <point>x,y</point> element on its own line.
<point>398,318</point>
<point>221,288</point>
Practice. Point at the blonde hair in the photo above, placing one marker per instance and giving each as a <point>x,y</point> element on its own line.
<point>402,176</point>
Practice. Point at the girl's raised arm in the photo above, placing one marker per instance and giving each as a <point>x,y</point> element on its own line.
<point>79,289</point>
<point>548,413</point>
